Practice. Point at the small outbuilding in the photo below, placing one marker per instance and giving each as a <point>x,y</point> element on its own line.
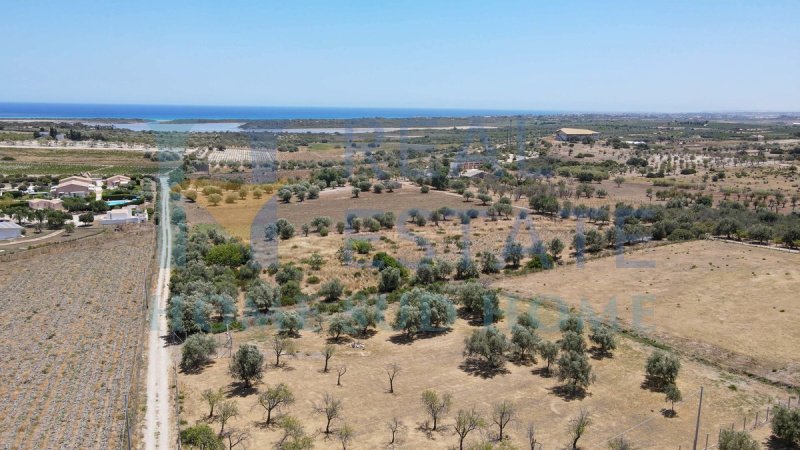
<point>575,134</point>
<point>9,230</point>
<point>116,181</point>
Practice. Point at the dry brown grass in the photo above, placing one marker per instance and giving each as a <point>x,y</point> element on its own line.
<point>616,401</point>
<point>731,304</point>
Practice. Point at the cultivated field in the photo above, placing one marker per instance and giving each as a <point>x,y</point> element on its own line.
<point>616,401</point>
<point>731,304</point>
<point>72,322</point>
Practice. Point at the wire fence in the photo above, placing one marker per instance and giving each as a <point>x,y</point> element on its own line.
<point>761,418</point>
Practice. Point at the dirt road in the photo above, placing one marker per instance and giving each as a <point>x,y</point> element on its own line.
<point>157,419</point>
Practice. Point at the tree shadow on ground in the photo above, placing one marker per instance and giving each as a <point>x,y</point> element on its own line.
<point>239,389</point>
<point>525,361</point>
<point>773,443</point>
<point>404,339</point>
<point>568,393</point>
<point>544,372</point>
<point>479,368</point>
<point>652,385</point>
<point>475,320</point>
<point>598,354</point>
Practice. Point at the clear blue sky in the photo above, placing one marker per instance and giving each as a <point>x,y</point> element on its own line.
<point>693,55</point>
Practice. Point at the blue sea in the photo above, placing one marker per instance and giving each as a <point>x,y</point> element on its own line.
<point>174,112</point>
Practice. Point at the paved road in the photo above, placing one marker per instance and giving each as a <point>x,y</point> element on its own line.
<point>157,419</point>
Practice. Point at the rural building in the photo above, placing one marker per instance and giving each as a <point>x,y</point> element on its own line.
<point>575,134</point>
<point>9,230</point>
<point>77,178</point>
<point>73,189</point>
<point>129,214</point>
<point>46,203</point>
<point>117,180</point>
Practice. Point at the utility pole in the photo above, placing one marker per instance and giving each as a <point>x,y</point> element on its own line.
<point>697,425</point>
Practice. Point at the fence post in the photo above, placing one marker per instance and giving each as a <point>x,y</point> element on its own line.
<point>755,424</point>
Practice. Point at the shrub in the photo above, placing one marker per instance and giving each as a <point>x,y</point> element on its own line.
<point>331,290</point>
<point>197,351</point>
<point>736,440</point>
<point>201,436</point>
<point>786,424</point>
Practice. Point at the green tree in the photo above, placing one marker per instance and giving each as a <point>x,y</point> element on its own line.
<point>662,369</point>
<point>555,247</point>
<point>549,352</point>
<point>213,398</point>
<point>466,422</point>
<point>488,343</point>
<point>294,436</point>
<point>247,364</point>
<point>227,410</point>
<point>331,408</point>
<point>290,323</point>
<point>578,426</point>
<point>503,413</point>
<point>524,342</point>
<point>603,337</point>
<point>391,278</point>
<point>673,394</point>
<point>274,398</point>
<point>367,316</point>
<point>422,310</point>
<point>340,324</point>
<point>436,406</point>
<point>261,296</point>
<point>479,300</point>
<point>786,424</point>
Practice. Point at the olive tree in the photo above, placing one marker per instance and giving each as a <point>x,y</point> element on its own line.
<point>673,394</point>
<point>213,398</point>
<point>549,352</point>
<point>261,296</point>
<point>327,352</point>
<point>578,426</point>
<point>247,364</point>
<point>436,406</point>
<point>502,413</point>
<point>662,369</point>
<point>331,408</point>
<point>489,343</point>
<point>274,398</point>
<point>467,421</point>
<point>281,345</point>
<point>422,310</point>
<point>603,337</point>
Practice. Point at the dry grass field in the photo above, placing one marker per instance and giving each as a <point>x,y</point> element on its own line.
<point>72,321</point>
<point>616,401</point>
<point>731,304</point>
